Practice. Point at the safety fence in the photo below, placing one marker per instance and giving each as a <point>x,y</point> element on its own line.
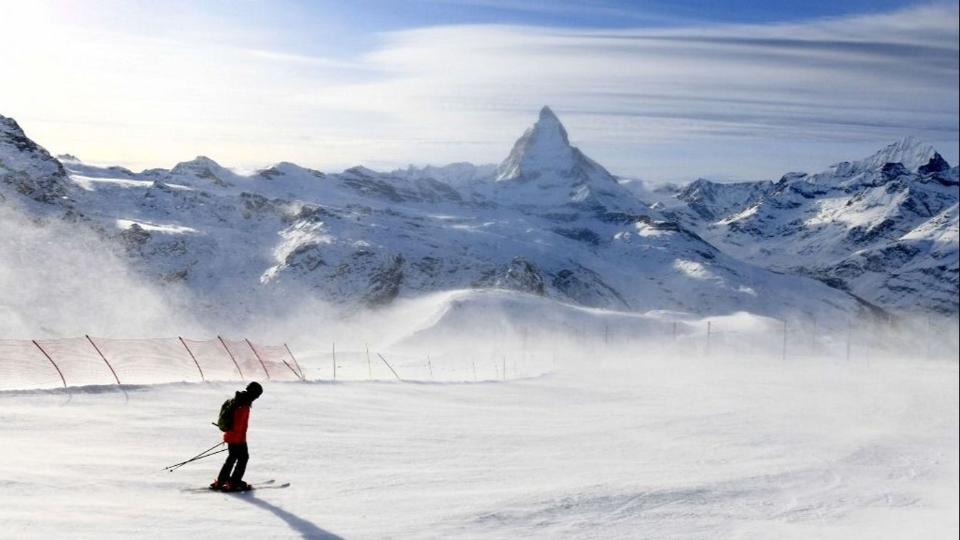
<point>856,341</point>
<point>860,342</point>
<point>50,363</point>
<point>32,364</point>
<point>362,363</point>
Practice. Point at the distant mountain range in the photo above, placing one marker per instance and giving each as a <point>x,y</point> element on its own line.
<point>875,236</point>
<point>884,227</point>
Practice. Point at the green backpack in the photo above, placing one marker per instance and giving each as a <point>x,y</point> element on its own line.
<point>225,420</point>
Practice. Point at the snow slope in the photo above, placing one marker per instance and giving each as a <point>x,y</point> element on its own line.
<point>660,449</point>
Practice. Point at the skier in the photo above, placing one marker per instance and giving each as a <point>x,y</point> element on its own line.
<point>230,478</point>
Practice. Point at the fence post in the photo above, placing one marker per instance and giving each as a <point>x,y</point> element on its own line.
<point>302,378</point>
<point>849,337</point>
<point>255,353</point>
<point>709,327</point>
<point>783,354</point>
<point>55,366</point>
<point>504,367</point>
<point>389,366</point>
<point>232,359</point>
<point>474,363</point>
<point>104,358</point>
<point>334,346</point>
<point>674,331</point>
<point>369,365</point>
<point>295,374</point>
<point>813,339</point>
<point>430,366</point>
<point>192,357</point>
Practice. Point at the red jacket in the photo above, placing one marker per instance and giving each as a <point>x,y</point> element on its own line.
<point>238,435</point>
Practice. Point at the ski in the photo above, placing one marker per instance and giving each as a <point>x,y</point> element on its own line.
<point>269,486</point>
<point>266,484</point>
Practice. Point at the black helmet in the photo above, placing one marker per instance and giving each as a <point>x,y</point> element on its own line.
<point>254,390</point>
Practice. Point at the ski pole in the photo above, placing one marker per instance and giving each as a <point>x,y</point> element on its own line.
<point>198,456</point>
<point>178,465</point>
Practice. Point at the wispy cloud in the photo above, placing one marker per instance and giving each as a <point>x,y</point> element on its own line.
<point>736,100</point>
<point>635,13</point>
<point>852,80</point>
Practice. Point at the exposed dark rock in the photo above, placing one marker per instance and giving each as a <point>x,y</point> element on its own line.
<point>306,257</point>
<point>935,165</point>
<point>385,283</point>
<point>892,171</point>
<point>520,274</point>
<point>581,234</point>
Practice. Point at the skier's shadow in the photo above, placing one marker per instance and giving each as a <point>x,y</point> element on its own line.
<point>302,526</point>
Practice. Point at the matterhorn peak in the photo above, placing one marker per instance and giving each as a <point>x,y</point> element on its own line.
<point>544,147</point>
<point>548,122</point>
<point>543,169</point>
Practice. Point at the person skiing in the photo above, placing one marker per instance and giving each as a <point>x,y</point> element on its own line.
<point>238,411</point>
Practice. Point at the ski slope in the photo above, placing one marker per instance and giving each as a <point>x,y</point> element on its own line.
<point>624,447</point>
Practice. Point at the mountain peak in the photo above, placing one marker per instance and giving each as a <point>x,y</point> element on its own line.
<point>200,161</point>
<point>204,167</point>
<point>910,151</point>
<point>9,125</point>
<point>549,128</point>
<point>28,167</point>
<point>546,113</point>
<point>545,146</point>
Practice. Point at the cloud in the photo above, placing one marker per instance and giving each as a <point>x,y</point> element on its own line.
<point>739,100</point>
<point>868,63</point>
<point>865,79</point>
<point>576,8</point>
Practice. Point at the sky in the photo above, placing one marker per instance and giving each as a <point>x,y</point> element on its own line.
<point>659,90</point>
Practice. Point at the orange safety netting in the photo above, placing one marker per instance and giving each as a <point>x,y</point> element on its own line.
<point>279,362</point>
<point>214,359</point>
<point>52,363</point>
<point>23,366</point>
<point>79,361</point>
<point>146,361</point>
<point>256,365</point>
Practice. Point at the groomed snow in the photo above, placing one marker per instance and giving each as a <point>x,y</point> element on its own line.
<point>627,447</point>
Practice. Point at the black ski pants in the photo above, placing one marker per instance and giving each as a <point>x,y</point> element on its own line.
<point>238,455</point>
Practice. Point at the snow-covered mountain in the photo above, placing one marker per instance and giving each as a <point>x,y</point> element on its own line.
<point>548,221</point>
<point>883,227</point>
<point>712,200</point>
<point>545,173</point>
<point>28,170</point>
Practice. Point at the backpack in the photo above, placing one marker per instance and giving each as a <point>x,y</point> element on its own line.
<point>225,419</point>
